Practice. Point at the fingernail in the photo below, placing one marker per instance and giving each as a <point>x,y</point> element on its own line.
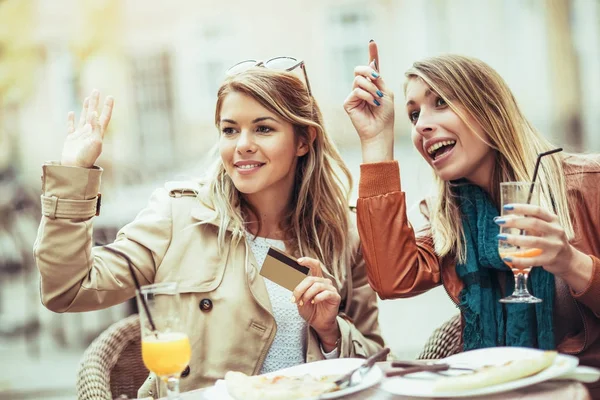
<point>500,221</point>
<point>374,74</point>
<point>507,259</point>
<point>371,41</point>
<point>509,207</point>
<point>376,102</point>
<point>312,301</point>
<point>293,299</point>
<point>501,237</point>
<point>301,303</point>
<point>379,93</point>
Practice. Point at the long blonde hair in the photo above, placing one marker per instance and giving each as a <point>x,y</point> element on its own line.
<point>319,220</point>
<point>482,93</point>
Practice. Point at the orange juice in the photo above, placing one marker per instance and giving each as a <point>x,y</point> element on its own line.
<point>521,253</point>
<point>166,355</point>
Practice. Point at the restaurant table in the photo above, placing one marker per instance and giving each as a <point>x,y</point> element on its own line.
<point>570,390</point>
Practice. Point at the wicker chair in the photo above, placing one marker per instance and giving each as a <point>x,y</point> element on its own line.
<point>444,341</point>
<point>112,365</point>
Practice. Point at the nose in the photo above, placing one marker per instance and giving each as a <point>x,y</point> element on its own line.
<point>245,143</point>
<point>425,125</point>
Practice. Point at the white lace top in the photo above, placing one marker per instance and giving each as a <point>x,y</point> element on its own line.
<point>289,345</point>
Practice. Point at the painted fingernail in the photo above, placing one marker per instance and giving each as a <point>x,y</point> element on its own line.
<point>371,41</point>
<point>293,299</point>
<point>376,103</point>
<point>379,93</point>
<point>507,259</point>
<point>501,237</point>
<point>374,74</point>
<point>500,221</point>
<point>509,207</point>
<point>301,303</point>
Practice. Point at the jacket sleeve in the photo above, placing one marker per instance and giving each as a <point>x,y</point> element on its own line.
<point>399,262</point>
<point>75,276</point>
<point>584,203</point>
<point>590,296</point>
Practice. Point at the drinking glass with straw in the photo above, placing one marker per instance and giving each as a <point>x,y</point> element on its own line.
<point>166,347</point>
<point>520,193</point>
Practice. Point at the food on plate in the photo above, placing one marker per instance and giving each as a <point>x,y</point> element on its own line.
<point>496,374</point>
<point>278,387</point>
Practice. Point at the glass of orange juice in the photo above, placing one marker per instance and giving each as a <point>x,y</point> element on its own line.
<point>166,347</point>
<point>518,193</point>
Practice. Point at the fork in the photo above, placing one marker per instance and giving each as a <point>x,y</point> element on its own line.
<point>356,376</point>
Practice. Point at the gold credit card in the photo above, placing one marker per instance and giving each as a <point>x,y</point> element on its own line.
<point>283,269</point>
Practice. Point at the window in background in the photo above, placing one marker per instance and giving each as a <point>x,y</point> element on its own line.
<point>350,29</point>
<point>213,47</point>
<point>153,101</point>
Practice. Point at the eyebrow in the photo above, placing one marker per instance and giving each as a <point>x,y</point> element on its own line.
<point>428,92</point>
<point>260,119</point>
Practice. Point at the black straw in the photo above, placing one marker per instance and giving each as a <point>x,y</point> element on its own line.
<point>537,167</point>
<point>137,284</point>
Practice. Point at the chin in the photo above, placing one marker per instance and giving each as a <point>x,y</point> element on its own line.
<point>245,189</point>
<point>449,174</point>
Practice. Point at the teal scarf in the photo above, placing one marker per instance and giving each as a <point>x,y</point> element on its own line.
<point>488,322</point>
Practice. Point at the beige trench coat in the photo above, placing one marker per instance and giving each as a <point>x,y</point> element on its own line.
<point>167,243</point>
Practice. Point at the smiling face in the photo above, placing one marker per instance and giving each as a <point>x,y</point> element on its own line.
<point>258,148</point>
<point>447,143</point>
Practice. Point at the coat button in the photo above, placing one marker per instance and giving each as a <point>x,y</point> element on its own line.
<point>185,372</point>
<point>206,305</point>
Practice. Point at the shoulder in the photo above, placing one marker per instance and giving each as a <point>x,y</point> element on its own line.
<point>192,201</point>
<point>162,197</point>
<point>578,164</point>
<point>582,173</point>
<point>179,189</point>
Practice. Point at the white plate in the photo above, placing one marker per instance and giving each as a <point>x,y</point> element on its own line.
<point>421,384</point>
<point>338,366</point>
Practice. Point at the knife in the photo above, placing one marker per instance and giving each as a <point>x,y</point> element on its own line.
<point>410,367</point>
<point>355,376</point>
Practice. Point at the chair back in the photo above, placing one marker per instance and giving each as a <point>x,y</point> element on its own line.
<point>112,365</point>
<point>444,341</point>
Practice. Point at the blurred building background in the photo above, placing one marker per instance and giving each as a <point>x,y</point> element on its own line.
<point>163,62</point>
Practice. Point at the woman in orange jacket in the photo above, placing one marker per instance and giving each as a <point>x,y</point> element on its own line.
<point>467,125</point>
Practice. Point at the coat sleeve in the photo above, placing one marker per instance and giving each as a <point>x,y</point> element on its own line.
<point>399,262</point>
<point>584,202</point>
<point>75,276</point>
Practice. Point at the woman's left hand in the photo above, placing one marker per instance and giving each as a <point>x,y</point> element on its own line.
<point>318,302</point>
<point>544,232</point>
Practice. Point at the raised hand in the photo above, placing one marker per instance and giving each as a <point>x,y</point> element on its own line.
<point>83,144</point>
<point>370,107</point>
<point>318,303</point>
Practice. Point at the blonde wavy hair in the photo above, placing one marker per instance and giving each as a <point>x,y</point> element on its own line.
<point>482,93</point>
<point>318,224</point>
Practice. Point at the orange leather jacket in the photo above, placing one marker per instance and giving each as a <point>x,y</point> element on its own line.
<point>402,263</point>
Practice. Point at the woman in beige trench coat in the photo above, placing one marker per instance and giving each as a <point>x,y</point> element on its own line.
<point>277,183</point>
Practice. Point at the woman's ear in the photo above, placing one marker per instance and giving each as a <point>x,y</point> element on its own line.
<point>303,145</point>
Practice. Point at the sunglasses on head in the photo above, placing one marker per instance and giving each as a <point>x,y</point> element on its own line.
<point>277,63</point>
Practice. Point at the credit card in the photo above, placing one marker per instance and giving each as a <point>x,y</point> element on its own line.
<point>283,269</point>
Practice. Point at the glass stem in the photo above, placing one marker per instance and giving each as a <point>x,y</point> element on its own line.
<point>172,384</point>
<point>521,284</point>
